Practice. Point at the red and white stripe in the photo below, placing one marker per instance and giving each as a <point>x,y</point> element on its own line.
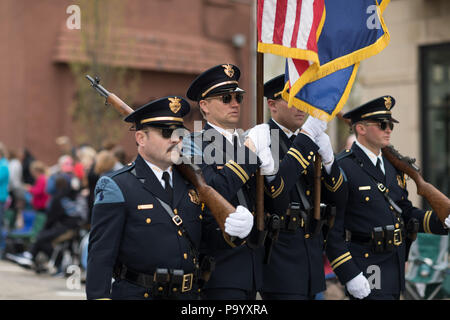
<point>289,23</point>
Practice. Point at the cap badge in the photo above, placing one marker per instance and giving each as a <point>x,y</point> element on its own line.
<point>388,102</point>
<point>175,104</point>
<point>228,69</point>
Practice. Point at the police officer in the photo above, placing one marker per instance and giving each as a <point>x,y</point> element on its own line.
<point>295,269</point>
<point>228,166</point>
<point>369,235</point>
<point>147,220</point>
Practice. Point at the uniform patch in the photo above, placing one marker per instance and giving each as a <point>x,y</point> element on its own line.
<point>193,195</point>
<point>107,191</point>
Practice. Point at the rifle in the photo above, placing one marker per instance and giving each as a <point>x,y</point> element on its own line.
<point>217,204</point>
<point>439,202</point>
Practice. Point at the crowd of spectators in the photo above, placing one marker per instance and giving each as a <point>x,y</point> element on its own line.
<point>61,194</point>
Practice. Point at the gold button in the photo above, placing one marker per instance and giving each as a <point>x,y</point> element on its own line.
<point>160,288</point>
<point>332,179</point>
<point>185,256</point>
<point>309,157</point>
<point>308,192</point>
<point>294,219</point>
<point>174,289</point>
<point>379,242</point>
<point>180,233</point>
<point>146,295</point>
<point>200,217</point>
<point>282,218</point>
<point>175,211</point>
<point>148,220</point>
<point>389,241</point>
<point>366,255</point>
<point>397,225</point>
<point>367,198</point>
<point>311,153</point>
<point>307,236</point>
<point>390,207</point>
<point>272,188</point>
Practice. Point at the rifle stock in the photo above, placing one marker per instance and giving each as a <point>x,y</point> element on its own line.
<point>438,201</point>
<point>217,204</point>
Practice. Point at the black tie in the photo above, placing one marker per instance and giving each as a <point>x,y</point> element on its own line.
<point>168,188</point>
<point>379,166</point>
<point>235,144</point>
<point>292,138</point>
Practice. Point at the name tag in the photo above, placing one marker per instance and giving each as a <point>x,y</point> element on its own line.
<point>145,206</point>
<point>364,188</point>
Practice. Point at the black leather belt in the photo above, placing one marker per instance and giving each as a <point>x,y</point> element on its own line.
<point>382,238</point>
<point>163,281</point>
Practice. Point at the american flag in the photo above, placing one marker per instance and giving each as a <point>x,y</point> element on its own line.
<point>291,28</point>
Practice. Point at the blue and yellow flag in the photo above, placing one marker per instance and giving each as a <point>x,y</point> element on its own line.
<point>353,31</point>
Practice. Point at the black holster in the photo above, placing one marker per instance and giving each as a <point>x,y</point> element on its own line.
<point>273,230</point>
<point>207,266</point>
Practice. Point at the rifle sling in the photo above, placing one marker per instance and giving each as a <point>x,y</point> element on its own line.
<point>177,221</point>
<point>382,188</point>
<point>298,185</point>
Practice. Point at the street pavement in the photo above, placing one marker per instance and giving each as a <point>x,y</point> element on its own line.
<point>17,283</point>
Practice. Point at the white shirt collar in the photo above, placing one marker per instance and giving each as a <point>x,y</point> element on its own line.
<point>372,156</point>
<point>288,132</point>
<point>159,172</point>
<point>225,132</point>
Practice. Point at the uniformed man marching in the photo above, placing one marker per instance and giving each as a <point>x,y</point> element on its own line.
<point>228,166</point>
<point>369,235</point>
<point>295,269</point>
<point>147,220</point>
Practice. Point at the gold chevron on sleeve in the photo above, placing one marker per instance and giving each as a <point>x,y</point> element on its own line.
<point>242,171</point>
<point>426,221</point>
<point>236,171</point>
<point>297,157</point>
<point>336,185</point>
<point>300,155</point>
<point>340,260</point>
<point>279,190</point>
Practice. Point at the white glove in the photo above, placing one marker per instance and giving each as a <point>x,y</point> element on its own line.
<point>447,222</point>
<point>359,286</point>
<point>326,150</point>
<point>260,136</point>
<point>314,127</point>
<point>239,223</point>
<point>267,163</point>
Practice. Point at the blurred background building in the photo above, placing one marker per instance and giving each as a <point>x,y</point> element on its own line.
<point>157,47</point>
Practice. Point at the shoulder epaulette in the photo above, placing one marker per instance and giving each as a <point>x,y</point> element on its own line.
<point>125,168</point>
<point>344,154</point>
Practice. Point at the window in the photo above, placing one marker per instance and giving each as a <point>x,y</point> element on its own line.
<point>435,111</point>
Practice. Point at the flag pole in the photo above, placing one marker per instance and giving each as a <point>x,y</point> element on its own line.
<point>260,119</point>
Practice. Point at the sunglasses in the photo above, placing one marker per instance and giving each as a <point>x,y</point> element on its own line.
<point>166,133</point>
<point>383,125</point>
<point>226,98</point>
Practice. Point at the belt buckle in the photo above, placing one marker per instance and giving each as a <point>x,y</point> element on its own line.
<point>177,220</point>
<point>187,282</point>
<point>397,237</point>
